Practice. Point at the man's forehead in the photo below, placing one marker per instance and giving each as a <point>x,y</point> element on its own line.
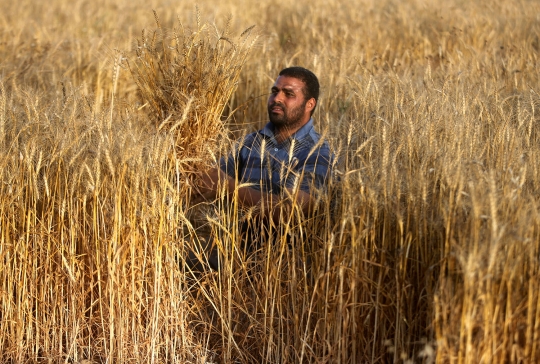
<point>288,82</point>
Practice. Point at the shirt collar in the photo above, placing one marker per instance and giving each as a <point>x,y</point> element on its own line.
<point>269,128</point>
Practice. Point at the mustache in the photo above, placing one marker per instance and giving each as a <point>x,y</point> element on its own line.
<point>278,105</point>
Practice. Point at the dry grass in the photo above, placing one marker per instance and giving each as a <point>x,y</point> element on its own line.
<point>424,249</point>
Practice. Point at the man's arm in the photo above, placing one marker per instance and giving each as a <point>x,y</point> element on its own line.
<point>271,205</point>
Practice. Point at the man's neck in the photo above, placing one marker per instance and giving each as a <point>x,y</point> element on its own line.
<point>282,133</point>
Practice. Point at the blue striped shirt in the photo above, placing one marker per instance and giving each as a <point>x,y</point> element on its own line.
<point>302,160</point>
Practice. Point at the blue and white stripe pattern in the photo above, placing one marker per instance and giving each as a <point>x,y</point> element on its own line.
<point>302,161</point>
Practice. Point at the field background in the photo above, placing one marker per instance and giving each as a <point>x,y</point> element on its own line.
<point>425,249</point>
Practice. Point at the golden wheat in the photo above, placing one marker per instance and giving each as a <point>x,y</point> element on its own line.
<point>424,247</point>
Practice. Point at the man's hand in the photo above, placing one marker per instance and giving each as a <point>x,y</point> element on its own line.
<point>209,184</point>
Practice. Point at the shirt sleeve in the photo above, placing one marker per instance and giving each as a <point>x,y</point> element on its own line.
<point>228,164</point>
<point>234,163</point>
<point>316,170</point>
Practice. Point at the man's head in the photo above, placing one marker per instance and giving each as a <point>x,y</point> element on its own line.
<point>293,98</point>
<point>311,82</point>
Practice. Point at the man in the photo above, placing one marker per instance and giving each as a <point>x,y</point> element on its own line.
<point>281,165</point>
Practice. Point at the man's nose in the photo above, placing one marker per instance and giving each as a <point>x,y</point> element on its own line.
<point>278,97</point>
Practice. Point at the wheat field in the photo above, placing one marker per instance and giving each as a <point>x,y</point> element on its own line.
<point>425,248</point>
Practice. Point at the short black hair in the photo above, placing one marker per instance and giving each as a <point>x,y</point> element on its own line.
<point>310,80</point>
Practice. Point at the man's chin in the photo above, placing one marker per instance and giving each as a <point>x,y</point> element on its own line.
<point>277,121</point>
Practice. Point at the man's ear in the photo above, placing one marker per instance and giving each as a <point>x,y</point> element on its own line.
<point>310,104</point>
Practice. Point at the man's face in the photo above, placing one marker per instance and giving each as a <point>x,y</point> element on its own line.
<point>287,106</point>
